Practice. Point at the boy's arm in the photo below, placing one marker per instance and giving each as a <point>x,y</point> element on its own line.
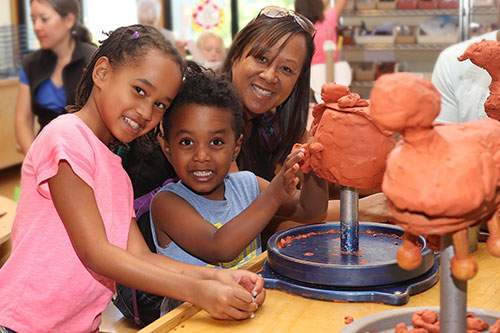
<point>177,220</point>
<point>310,203</point>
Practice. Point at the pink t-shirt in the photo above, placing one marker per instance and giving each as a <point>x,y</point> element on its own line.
<point>326,29</point>
<point>44,286</point>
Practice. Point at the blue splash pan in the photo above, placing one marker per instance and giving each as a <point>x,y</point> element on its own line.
<point>311,254</point>
<point>393,294</point>
<point>306,261</point>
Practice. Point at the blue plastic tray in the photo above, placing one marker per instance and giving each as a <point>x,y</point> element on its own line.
<point>313,256</point>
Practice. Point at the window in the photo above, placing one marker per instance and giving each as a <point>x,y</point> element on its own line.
<point>99,15</point>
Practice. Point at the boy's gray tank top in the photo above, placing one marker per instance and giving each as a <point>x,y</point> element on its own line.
<point>241,189</point>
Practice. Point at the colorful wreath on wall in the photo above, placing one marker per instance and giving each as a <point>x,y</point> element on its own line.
<point>207,15</point>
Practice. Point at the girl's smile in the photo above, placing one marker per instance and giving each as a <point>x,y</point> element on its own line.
<point>131,102</point>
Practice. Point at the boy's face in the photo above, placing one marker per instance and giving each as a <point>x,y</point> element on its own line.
<point>212,49</point>
<point>201,147</point>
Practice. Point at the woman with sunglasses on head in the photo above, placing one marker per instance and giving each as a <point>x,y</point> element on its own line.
<point>269,63</point>
<point>49,76</point>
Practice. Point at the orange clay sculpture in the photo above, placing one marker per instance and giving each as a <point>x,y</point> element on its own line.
<point>347,147</point>
<point>439,178</point>
<point>486,54</point>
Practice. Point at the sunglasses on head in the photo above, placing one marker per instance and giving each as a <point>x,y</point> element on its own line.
<point>278,12</point>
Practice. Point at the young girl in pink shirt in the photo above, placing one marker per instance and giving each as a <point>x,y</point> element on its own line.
<point>75,235</point>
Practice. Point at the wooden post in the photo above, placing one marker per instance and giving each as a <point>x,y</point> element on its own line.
<point>329,47</point>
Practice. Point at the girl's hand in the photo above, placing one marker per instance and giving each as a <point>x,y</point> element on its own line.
<point>225,301</point>
<point>284,184</point>
<point>252,282</point>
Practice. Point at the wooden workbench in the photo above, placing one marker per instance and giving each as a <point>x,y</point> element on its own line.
<point>283,312</point>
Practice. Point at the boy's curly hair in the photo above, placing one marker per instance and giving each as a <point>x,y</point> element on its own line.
<point>202,86</point>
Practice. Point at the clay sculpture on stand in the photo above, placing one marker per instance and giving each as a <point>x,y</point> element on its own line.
<point>440,178</point>
<point>347,147</point>
<point>486,54</point>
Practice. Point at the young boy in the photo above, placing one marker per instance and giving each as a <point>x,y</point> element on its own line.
<point>212,217</point>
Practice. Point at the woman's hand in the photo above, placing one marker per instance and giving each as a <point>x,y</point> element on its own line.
<point>374,208</point>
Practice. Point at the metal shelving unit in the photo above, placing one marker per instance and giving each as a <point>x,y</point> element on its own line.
<point>418,57</point>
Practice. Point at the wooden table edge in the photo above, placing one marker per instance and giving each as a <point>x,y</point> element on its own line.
<point>186,310</point>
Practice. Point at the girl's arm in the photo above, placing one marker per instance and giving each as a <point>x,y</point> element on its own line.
<point>24,118</point>
<point>76,205</point>
<point>339,7</point>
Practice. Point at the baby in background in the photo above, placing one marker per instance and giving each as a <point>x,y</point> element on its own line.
<point>212,49</point>
<point>212,217</point>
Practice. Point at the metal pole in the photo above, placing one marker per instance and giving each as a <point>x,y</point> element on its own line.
<point>234,18</point>
<point>453,293</point>
<point>349,225</point>
<point>464,19</point>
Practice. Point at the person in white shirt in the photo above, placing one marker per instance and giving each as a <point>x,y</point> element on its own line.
<point>463,86</point>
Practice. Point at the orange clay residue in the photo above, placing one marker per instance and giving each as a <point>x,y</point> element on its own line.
<point>363,262</point>
<point>348,319</point>
<point>308,254</point>
<point>427,321</point>
<point>283,242</point>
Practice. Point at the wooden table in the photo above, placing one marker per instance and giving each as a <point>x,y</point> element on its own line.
<point>8,207</point>
<point>283,312</point>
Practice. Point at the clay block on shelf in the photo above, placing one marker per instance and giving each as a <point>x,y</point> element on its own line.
<point>364,71</point>
<point>386,4</point>
<point>406,4</point>
<point>448,4</point>
<point>427,4</point>
<point>365,4</point>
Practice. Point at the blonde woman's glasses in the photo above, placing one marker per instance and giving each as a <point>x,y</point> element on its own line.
<point>278,12</point>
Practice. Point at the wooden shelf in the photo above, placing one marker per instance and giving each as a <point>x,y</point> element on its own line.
<point>394,47</point>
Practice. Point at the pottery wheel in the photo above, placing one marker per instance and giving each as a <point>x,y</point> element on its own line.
<point>311,254</point>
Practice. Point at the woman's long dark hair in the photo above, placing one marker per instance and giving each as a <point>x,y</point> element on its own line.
<point>65,7</point>
<point>290,118</point>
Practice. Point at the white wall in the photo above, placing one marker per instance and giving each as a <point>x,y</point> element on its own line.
<point>5,12</point>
